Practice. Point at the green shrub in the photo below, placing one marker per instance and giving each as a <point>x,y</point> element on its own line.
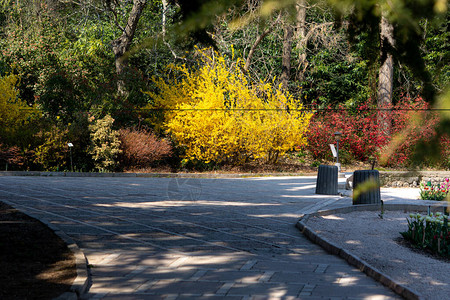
<point>52,153</point>
<point>105,144</point>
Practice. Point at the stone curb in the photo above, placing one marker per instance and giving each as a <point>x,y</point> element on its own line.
<point>355,260</point>
<point>81,283</point>
<point>149,175</point>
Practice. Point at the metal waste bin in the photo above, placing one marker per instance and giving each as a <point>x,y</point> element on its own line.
<point>327,180</point>
<point>366,187</point>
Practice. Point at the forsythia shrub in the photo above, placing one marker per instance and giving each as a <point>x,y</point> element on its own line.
<point>218,116</point>
<point>141,148</point>
<point>15,114</point>
<point>104,143</point>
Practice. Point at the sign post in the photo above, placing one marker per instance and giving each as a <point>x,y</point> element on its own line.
<point>70,148</point>
<point>335,155</point>
<point>333,150</point>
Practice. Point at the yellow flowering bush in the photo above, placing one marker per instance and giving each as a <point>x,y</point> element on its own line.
<point>15,114</point>
<point>216,114</point>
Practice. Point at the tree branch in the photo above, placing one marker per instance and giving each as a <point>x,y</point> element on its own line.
<point>258,41</point>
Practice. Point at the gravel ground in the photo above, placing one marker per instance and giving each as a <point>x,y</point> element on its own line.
<point>376,241</point>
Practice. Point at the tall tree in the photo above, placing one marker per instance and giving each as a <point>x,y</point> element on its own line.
<point>286,54</point>
<point>122,44</point>
<point>386,73</point>
<point>258,40</point>
<point>300,36</point>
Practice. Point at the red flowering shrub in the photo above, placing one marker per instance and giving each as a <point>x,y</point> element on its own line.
<point>445,151</point>
<point>411,122</point>
<point>360,139</point>
<point>142,148</point>
<point>11,155</point>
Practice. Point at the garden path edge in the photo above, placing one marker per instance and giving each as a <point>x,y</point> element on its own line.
<point>81,283</point>
<point>354,260</point>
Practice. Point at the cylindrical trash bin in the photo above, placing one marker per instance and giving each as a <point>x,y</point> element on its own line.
<point>327,180</point>
<point>366,187</point>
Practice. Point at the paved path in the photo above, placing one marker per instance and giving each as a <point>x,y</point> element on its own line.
<point>162,238</point>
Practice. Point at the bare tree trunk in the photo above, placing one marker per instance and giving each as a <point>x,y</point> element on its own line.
<point>163,18</point>
<point>301,20</point>
<point>300,37</point>
<point>286,58</point>
<point>258,41</point>
<point>122,44</point>
<point>386,74</point>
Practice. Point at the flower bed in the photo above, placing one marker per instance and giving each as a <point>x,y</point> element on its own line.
<point>438,192</point>
<point>429,232</point>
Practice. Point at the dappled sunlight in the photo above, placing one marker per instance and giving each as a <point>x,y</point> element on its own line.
<point>201,260</point>
<point>250,279</point>
<point>96,197</point>
<point>347,281</point>
<point>398,261</point>
<point>237,239</point>
<point>58,271</point>
<point>332,217</point>
<point>162,238</point>
<point>279,215</point>
<point>303,178</point>
<point>300,188</point>
<point>105,224</point>
<point>314,196</point>
<point>266,234</point>
<point>277,292</point>
<point>434,282</point>
<point>392,194</point>
<point>378,242</point>
<point>297,183</point>
<point>177,203</point>
<point>415,275</point>
<point>194,235</point>
<point>352,242</point>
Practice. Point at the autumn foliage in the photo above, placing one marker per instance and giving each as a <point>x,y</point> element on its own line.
<point>217,115</point>
<point>11,155</point>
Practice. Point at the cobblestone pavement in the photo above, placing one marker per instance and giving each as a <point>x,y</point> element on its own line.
<point>177,238</point>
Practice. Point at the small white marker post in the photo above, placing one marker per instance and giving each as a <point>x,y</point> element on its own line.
<point>337,136</point>
<point>333,150</point>
<point>335,155</point>
<point>70,148</point>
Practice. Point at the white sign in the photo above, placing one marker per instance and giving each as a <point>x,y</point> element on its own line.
<point>333,150</point>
